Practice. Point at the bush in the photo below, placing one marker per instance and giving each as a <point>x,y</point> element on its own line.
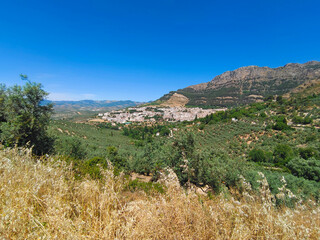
<point>281,124</point>
<point>201,127</point>
<point>257,155</point>
<point>279,100</point>
<point>72,147</point>
<point>263,115</point>
<point>115,158</point>
<point>311,137</point>
<point>282,154</point>
<point>147,187</point>
<point>213,168</point>
<point>297,119</point>
<point>301,120</point>
<point>97,160</point>
<point>308,152</point>
<point>92,167</point>
<point>44,200</point>
<point>308,169</point>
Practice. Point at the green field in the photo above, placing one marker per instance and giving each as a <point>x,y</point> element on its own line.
<point>93,140</point>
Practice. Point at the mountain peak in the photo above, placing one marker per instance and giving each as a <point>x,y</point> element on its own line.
<point>240,85</point>
<point>313,62</point>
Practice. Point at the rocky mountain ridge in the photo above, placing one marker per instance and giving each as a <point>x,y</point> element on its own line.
<point>248,84</point>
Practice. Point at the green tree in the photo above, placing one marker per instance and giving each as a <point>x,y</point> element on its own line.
<point>24,119</point>
<point>281,124</point>
<point>70,146</point>
<point>282,153</point>
<point>308,152</point>
<point>2,100</point>
<point>279,99</point>
<point>308,169</point>
<point>115,157</point>
<point>263,115</point>
<point>257,155</point>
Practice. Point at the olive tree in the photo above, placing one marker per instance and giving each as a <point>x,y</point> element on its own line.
<point>23,117</point>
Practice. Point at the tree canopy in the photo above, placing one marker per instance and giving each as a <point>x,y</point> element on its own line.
<point>23,117</point>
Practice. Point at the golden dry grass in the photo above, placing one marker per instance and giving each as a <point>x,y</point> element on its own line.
<point>41,200</point>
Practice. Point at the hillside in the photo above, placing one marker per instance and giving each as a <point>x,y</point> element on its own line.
<point>277,137</point>
<point>41,199</point>
<point>248,84</point>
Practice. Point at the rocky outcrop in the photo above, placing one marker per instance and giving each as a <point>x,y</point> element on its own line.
<point>176,100</point>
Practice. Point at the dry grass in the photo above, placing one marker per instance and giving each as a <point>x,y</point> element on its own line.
<point>41,200</point>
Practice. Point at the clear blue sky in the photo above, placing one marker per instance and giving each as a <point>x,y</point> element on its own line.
<point>140,50</point>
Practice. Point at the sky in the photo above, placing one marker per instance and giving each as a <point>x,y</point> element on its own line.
<point>141,50</point>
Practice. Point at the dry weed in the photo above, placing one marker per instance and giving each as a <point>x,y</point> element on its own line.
<point>41,200</point>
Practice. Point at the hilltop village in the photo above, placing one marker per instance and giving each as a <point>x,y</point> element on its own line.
<point>152,114</point>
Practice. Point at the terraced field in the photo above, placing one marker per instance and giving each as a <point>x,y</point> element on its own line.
<point>240,137</point>
<point>93,139</point>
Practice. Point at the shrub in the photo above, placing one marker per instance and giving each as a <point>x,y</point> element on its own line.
<point>263,115</point>
<point>301,120</point>
<point>257,155</point>
<point>214,169</point>
<point>279,100</point>
<point>282,154</point>
<point>117,161</point>
<point>308,152</point>
<point>281,124</point>
<point>308,169</point>
<point>147,187</point>
<point>70,146</point>
<point>97,160</point>
<point>311,137</point>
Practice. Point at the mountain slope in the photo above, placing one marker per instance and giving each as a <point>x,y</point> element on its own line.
<point>249,84</point>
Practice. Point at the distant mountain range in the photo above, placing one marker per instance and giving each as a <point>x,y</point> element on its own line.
<point>68,109</point>
<point>246,85</point>
<point>92,105</point>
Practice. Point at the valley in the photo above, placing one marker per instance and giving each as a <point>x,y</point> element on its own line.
<point>260,155</point>
<point>160,120</point>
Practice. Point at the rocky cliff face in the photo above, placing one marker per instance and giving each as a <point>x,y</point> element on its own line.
<point>249,84</point>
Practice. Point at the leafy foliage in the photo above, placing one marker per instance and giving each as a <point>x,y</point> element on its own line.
<point>23,117</point>
<point>282,154</point>
<point>147,187</point>
<point>308,169</point>
<point>281,124</point>
<point>72,147</point>
<point>258,155</point>
<point>143,133</point>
